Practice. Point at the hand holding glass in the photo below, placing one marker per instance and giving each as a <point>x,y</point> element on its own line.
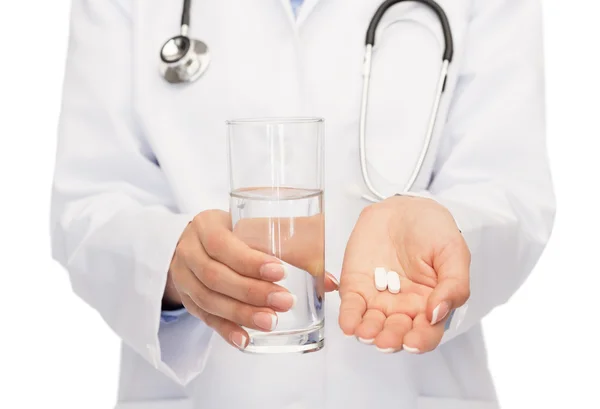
<point>276,205</point>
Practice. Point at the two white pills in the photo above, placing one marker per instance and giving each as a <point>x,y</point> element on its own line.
<point>387,280</point>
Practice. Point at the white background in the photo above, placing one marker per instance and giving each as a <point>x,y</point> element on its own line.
<point>56,352</point>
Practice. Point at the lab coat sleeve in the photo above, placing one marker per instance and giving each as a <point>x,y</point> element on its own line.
<point>492,169</point>
<point>114,221</point>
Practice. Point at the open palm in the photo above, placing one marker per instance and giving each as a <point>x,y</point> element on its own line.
<point>419,240</point>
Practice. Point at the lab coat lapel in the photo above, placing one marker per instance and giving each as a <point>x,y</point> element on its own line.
<point>287,7</point>
<point>307,7</point>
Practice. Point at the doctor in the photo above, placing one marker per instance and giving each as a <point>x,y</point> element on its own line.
<point>141,192</point>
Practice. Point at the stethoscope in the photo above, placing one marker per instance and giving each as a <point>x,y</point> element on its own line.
<point>184,60</point>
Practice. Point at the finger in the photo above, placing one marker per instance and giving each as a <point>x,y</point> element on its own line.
<point>260,318</point>
<point>221,279</point>
<point>453,287</point>
<point>370,327</point>
<point>423,337</point>
<point>447,295</point>
<point>352,308</point>
<point>391,338</point>
<point>230,332</point>
<point>222,245</point>
<point>331,283</point>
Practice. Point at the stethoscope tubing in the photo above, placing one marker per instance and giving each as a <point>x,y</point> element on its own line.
<point>375,195</point>
<point>370,39</point>
<point>185,17</point>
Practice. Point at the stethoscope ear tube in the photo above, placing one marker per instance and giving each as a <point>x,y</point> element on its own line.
<point>439,11</point>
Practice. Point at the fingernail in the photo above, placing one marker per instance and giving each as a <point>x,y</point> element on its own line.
<point>265,320</point>
<point>281,300</point>
<point>239,340</point>
<point>411,350</point>
<point>273,272</point>
<point>366,341</point>
<point>335,280</point>
<point>386,350</point>
<point>440,312</point>
<point>348,336</point>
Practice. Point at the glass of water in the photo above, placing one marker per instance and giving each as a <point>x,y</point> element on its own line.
<point>276,205</point>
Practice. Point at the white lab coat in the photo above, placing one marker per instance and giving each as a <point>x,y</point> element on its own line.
<point>137,158</point>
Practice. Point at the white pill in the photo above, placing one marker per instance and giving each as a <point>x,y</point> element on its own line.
<point>393,282</point>
<point>381,281</point>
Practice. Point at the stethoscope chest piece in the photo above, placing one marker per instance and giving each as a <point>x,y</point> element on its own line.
<point>183,59</point>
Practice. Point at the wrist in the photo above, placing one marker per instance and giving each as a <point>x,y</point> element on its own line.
<point>424,197</point>
<point>409,199</point>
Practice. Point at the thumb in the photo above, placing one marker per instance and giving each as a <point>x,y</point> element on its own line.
<point>453,287</point>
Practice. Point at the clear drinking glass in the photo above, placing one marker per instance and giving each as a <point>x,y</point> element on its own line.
<point>276,205</point>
